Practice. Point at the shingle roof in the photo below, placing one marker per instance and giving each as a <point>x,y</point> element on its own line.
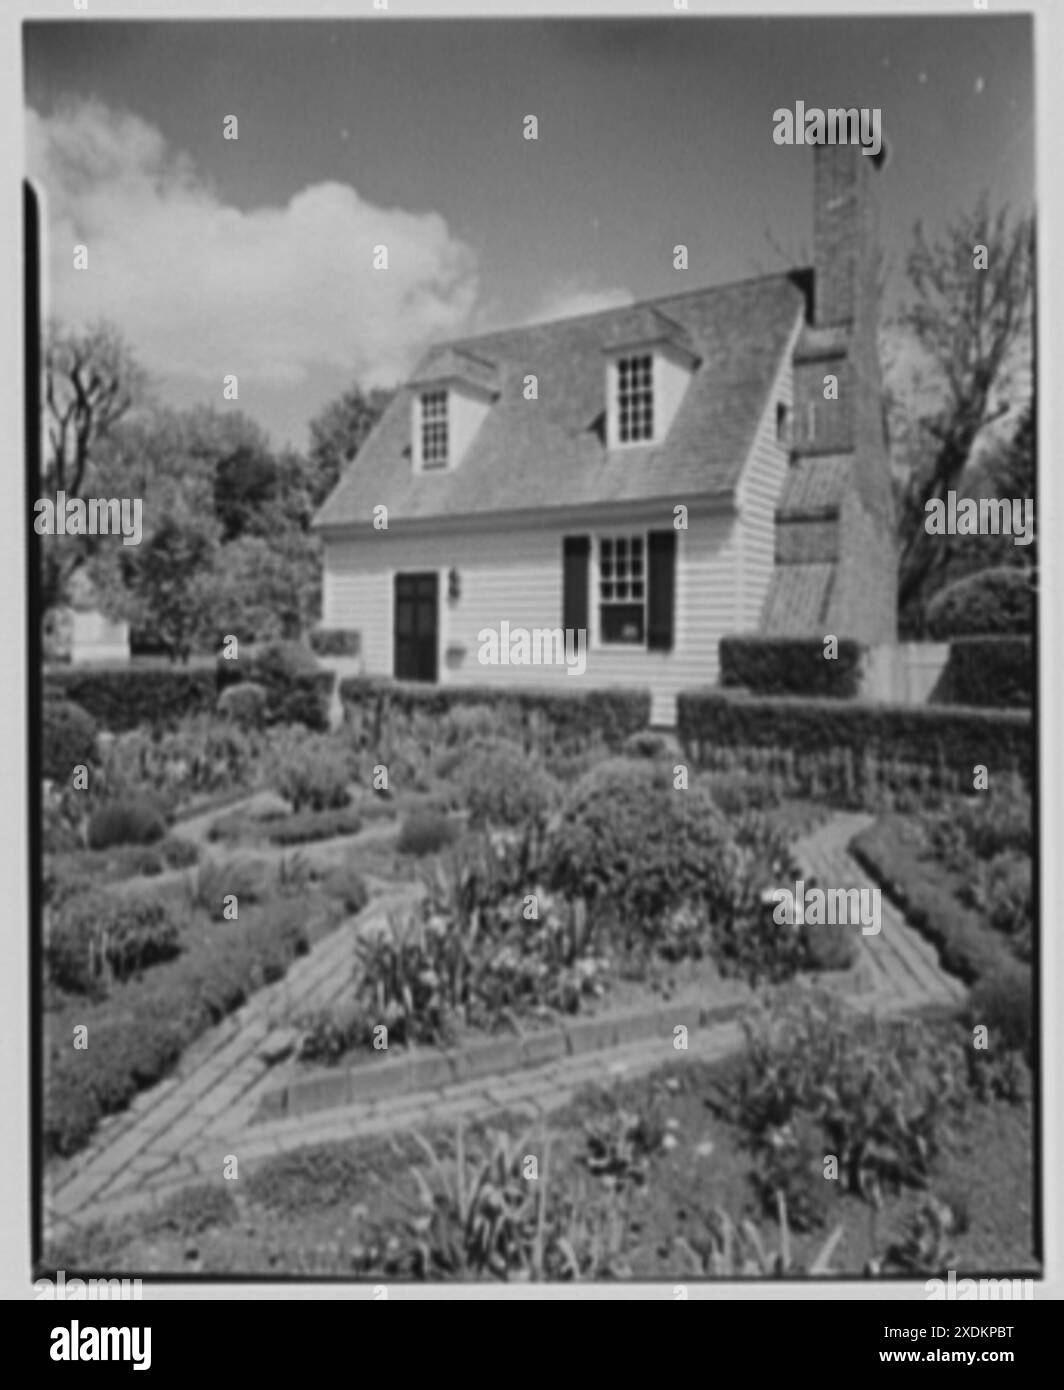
<point>815,485</point>
<point>644,323</point>
<point>551,452</point>
<point>797,599</point>
<point>447,363</point>
<point>802,542</point>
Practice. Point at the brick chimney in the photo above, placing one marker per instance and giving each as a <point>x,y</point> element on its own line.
<point>845,225</point>
<point>835,550</point>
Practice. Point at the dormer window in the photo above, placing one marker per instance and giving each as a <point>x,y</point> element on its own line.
<point>649,364</point>
<point>434,435</point>
<point>635,398</point>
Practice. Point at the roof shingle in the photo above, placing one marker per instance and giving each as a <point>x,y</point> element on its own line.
<point>551,452</point>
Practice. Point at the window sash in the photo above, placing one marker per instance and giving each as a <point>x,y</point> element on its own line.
<point>434,429</point>
<point>635,399</point>
<point>622,589</point>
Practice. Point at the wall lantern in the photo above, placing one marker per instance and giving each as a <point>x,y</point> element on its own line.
<point>454,586</point>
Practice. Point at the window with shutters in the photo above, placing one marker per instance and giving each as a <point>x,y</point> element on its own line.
<point>622,589</point>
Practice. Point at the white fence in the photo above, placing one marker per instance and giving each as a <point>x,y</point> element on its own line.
<point>903,673</point>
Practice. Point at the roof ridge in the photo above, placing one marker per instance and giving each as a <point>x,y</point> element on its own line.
<point>650,303</point>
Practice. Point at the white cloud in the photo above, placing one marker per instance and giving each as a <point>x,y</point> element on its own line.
<point>571,298</point>
<point>202,288</point>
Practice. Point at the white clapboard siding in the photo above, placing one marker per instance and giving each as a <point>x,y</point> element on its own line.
<point>760,485</point>
<point>516,574</point>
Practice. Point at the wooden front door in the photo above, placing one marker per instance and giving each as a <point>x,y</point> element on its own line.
<point>416,632</point>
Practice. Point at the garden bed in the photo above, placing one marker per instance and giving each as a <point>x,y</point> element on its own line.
<point>639,1181</point>
<point>540,1040</point>
<point>192,970</point>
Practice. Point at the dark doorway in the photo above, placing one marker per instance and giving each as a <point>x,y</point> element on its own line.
<point>416,608</point>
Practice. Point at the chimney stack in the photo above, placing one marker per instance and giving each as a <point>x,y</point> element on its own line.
<point>845,225</point>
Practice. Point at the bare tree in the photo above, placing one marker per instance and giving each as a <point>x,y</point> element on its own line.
<point>91,382</point>
<point>970,323</point>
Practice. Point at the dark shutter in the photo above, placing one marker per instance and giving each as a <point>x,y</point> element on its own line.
<point>576,551</point>
<point>661,577</point>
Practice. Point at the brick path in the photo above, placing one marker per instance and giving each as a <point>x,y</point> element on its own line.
<point>183,1128</point>
<point>900,966</point>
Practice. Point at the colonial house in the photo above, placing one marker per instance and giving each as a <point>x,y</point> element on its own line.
<point>708,463</point>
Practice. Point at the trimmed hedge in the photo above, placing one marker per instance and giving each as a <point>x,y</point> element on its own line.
<point>968,946</point>
<point>119,698</point>
<point>138,1035</point>
<point>244,703</point>
<point>68,739</point>
<point>992,602</point>
<point>791,666</point>
<point>627,842</point>
<point>989,672</point>
<point>335,641</point>
<point>567,722</point>
<point>297,690</point>
<point>854,747</point>
<point>137,820</point>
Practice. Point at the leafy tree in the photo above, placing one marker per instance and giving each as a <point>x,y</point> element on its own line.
<point>266,590</point>
<point>257,572</point>
<point>338,432</point>
<point>169,587</point>
<point>160,459</point>
<point>245,481</point>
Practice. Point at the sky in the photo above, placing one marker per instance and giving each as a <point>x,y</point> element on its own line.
<point>254,256</point>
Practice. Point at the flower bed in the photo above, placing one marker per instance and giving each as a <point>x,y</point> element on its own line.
<point>639,1179</point>
<point>628,886</point>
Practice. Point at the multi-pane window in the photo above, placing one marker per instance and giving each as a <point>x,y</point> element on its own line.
<point>434,429</point>
<point>635,398</point>
<point>622,589</point>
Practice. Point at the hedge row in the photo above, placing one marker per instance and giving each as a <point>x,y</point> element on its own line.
<point>119,698</point>
<point>791,666</point>
<point>991,672</point>
<point>864,742</point>
<point>563,720</point>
